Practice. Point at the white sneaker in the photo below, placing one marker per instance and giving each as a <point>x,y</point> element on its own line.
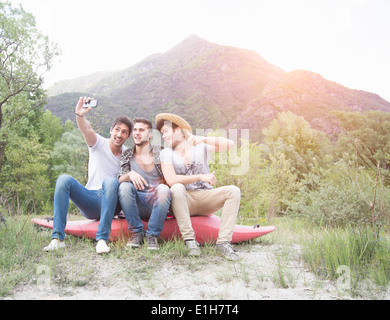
<point>227,251</point>
<point>102,247</point>
<point>54,245</point>
<point>193,247</point>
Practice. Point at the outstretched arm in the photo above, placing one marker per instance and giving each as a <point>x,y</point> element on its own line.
<point>215,144</point>
<point>83,124</point>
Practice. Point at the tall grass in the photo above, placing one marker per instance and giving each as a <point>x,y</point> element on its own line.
<point>20,252</point>
<point>330,251</point>
<point>324,250</point>
<point>22,255</point>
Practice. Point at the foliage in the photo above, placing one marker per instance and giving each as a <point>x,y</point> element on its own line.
<point>20,253</point>
<point>267,184</point>
<point>294,171</point>
<point>337,201</point>
<point>25,55</point>
<point>301,145</point>
<point>24,175</point>
<point>50,129</point>
<point>70,156</point>
<point>372,129</point>
<point>248,162</point>
<point>276,168</point>
<point>331,251</point>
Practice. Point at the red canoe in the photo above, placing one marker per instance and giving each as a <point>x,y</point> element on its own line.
<point>206,229</point>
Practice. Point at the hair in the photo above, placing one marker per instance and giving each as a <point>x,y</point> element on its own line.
<point>144,121</point>
<point>162,122</point>
<point>124,120</point>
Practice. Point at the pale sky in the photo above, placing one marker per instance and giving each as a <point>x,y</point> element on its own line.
<point>346,41</point>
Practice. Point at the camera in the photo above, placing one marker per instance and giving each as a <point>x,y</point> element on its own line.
<point>90,104</point>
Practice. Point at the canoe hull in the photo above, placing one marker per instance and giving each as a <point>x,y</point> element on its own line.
<point>206,229</point>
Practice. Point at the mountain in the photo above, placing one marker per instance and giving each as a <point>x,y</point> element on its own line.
<point>212,86</point>
<point>309,95</point>
<point>204,82</point>
<point>84,84</point>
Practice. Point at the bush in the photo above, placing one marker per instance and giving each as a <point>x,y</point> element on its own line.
<point>267,185</point>
<point>244,168</point>
<point>337,200</point>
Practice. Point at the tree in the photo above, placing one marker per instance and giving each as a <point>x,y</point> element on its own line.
<point>303,146</point>
<point>70,156</point>
<point>25,173</point>
<point>25,56</point>
<point>50,129</point>
<point>26,180</point>
<point>372,130</point>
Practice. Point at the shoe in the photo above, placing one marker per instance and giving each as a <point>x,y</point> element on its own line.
<point>193,247</point>
<point>102,247</point>
<point>54,245</point>
<point>136,240</point>
<point>152,242</point>
<point>227,251</point>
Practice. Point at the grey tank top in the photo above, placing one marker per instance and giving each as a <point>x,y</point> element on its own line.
<point>153,177</point>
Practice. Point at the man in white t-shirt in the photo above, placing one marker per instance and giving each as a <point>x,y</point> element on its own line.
<point>99,198</point>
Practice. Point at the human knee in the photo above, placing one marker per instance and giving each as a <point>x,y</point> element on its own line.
<point>178,189</point>
<point>110,185</point>
<point>235,192</point>
<point>63,181</point>
<point>111,182</point>
<point>126,189</point>
<point>163,193</point>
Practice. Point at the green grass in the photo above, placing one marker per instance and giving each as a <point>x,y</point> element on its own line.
<point>23,261</point>
<point>337,253</point>
<point>20,252</point>
<point>323,251</point>
<point>329,251</point>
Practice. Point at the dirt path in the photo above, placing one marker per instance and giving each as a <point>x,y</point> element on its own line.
<point>264,272</point>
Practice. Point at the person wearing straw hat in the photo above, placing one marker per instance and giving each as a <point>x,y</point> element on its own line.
<point>186,170</point>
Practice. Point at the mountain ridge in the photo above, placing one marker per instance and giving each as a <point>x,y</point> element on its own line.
<point>213,86</point>
<point>298,91</point>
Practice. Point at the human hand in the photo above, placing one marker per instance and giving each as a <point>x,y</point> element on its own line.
<point>80,110</point>
<point>138,181</point>
<point>209,178</point>
<point>195,140</point>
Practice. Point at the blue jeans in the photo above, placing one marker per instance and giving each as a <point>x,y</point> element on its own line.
<point>93,204</point>
<point>144,205</point>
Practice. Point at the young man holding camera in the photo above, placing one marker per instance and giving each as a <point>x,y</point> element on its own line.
<point>98,199</point>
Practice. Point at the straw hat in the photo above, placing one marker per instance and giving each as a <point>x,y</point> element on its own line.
<point>179,121</point>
